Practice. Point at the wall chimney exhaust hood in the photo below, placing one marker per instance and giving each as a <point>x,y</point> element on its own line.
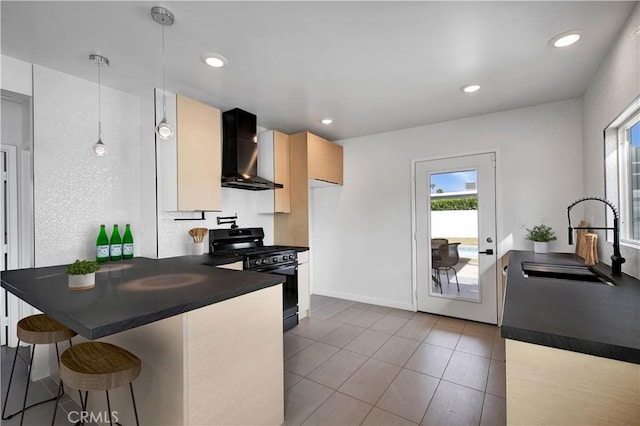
<point>240,152</point>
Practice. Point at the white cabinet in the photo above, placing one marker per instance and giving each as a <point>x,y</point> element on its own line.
<point>304,292</point>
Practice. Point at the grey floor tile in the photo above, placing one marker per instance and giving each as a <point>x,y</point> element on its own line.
<point>346,314</point>
<point>342,335</point>
<point>443,336</point>
<point>368,342</point>
<point>318,301</point>
<point>339,409</point>
<point>397,350</point>
<point>415,330</point>
<point>381,309</point>
<point>496,384</point>
<point>309,358</point>
<point>454,405</point>
<point>480,328</point>
<point>475,344</point>
<point>294,344</point>
<point>290,379</point>
<point>366,319</point>
<point>425,317</point>
<point>302,399</point>
<point>452,323</point>
<point>498,349</point>
<point>389,324</point>
<point>429,359</point>
<point>409,395</point>
<point>370,381</point>
<point>467,370</point>
<point>402,313</point>
<point>378,417</point>
<point>337,369</point>
<point>314,328</point>
<point>328,310</point>
<point>494,411</point>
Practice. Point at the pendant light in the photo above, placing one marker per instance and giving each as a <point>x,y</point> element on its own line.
<point>164,17</point>
<point>99,147</point>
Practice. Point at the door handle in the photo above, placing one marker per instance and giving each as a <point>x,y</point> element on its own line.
<point>487,251</point>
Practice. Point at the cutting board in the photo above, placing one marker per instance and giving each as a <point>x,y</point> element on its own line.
<point>591,242</point>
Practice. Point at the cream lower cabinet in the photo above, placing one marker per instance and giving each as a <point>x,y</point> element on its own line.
<point>549,386</point>
<point>304,292</point>
<point>236,266</point>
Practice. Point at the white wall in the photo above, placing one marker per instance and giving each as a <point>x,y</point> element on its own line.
<point>76,191</point>
<point>614,86</point>
<point>362,231</point>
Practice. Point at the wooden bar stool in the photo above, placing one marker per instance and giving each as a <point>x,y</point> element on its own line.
<point>36,330</point>
<point>98,366</point>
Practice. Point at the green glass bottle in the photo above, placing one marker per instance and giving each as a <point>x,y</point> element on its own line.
<point>127,243</point>
<point>102,246</point>
<point>115,244</point>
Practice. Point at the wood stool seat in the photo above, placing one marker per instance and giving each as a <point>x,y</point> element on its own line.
<point>41,329</point>
<point>98,366</point>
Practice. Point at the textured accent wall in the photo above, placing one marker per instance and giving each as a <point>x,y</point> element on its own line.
<point>75,191</point>
<point>173,236</point>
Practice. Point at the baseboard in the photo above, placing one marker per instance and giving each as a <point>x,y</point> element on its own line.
<point>367,299</point>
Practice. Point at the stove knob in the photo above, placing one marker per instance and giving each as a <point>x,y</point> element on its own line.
<point>275,259</point>
<point>262,261</point>
<point>291,257</point>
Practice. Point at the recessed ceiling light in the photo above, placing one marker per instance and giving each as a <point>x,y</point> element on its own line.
<point>470,88</point>
<point>565,39</point>
<point>214,60</point>
<point>326,121</point>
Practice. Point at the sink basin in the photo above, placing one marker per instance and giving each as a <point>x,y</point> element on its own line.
<point>564,272</point>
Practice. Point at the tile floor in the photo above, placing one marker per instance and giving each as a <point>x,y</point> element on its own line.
<point>38,391</point>
<point>358,364</point>
<point>352,364</point>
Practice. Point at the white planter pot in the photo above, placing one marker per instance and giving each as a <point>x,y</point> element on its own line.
<point>541,247</point>
<point>82,282</point>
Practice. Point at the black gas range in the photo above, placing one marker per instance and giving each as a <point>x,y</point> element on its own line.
<point>248,243</point>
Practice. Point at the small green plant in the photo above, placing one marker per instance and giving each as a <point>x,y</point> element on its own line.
<point>81,267</point>
<point>541,233</point>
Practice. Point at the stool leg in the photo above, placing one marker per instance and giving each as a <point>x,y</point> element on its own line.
<point>6,397</point>
<point>84,405</point>
<point>55,409</point>
<point>133,399</point>
<point>109,408</point>
<point>26,391</point>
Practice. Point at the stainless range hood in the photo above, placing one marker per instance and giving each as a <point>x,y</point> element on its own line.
<point>240,152</point>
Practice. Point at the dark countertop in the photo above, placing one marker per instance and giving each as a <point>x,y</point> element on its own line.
<point>590,318</point>
<point>131,293</point>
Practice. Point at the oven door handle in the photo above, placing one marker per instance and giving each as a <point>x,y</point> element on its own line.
<point>282,270</point>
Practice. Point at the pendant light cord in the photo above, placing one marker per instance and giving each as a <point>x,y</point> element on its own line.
<point>99,103</point>
<point>164,94</point>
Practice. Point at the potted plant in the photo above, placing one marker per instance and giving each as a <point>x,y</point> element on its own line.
<point>541,235</point>
<point>82,274</point>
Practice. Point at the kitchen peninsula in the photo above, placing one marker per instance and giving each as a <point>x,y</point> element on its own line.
<point>210,339</point>
<point>572,347</point>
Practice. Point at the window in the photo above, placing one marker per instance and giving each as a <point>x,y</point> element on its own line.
<point>622,148</point>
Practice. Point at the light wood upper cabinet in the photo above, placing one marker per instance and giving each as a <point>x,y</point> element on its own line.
<point>325,159</point>
<point>198,155</point>
<point>311,159</point>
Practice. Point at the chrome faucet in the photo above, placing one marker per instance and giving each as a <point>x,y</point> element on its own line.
<point>616,259</point>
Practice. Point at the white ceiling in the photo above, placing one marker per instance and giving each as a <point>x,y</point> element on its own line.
<point>371,66</point>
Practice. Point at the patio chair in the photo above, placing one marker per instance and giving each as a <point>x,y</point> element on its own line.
<point>447,260</point>
<point>435,255</point>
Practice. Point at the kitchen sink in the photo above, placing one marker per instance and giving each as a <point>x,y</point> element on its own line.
<point>564,272</point>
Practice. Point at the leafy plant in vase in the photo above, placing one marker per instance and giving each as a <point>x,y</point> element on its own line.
<point>82,274</point>
<point>541,235</point>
